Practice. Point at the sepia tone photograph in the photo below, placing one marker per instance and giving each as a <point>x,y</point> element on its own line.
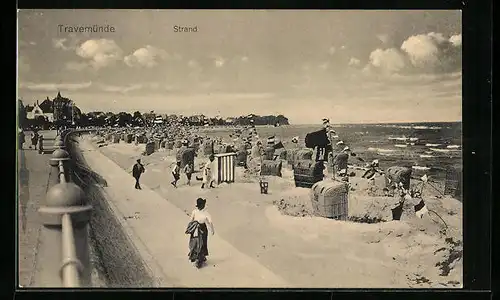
<point>239,149</point>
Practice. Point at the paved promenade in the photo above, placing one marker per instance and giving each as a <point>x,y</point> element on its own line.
<point>33,178</point>
<point>33,175</point>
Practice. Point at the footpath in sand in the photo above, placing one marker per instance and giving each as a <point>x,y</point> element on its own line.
<point>255,245</point>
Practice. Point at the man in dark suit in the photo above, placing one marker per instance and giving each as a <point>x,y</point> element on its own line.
<point>137,171</point>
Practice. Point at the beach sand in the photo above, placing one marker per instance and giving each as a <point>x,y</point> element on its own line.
<point>309,251</point>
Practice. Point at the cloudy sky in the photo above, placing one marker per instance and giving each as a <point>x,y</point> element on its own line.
<point>350,66</point>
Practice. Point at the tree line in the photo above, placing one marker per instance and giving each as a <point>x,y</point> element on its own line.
<point>75,117</point>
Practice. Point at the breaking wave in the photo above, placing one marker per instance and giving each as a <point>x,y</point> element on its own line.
<point>381,150</point>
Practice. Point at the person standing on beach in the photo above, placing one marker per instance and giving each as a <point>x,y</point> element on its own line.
<point>372,170</point>
<point>207,173</point>
<point>137,171</point>
<point>198,231</point>
<point>176,173</point>
<point>21,138</point>
<point>40,144</point>
<point>188,170</point>
<point>34,138</point>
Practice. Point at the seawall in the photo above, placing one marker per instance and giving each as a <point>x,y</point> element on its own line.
<point>120,262</point>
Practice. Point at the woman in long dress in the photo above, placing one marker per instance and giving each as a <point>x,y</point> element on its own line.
<point>198,230</point>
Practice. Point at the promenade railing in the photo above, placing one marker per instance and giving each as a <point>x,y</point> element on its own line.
<point>63,253</point>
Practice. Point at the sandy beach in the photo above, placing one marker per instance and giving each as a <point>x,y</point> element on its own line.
<point>279,231</point>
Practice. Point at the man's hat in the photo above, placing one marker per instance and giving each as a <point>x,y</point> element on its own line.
<point>326,121</point>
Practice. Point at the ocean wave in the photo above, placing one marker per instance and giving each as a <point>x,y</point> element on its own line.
<point>426,156</point>
<point>384,154</point>
<point>381,150</point>
<point>432,145</point>
<point>420,127</point>
<point>420,168</point>
<point>399,138</point>
<point>443,150</point>
<point>400,146</point>
<point>453,146</point>
<point>427,127</point>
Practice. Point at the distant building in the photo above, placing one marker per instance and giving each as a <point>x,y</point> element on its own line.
<point>61,107</point>
<point>38,111</point>
<point>58,109</point>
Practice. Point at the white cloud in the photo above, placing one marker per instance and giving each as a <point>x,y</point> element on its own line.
<point>101,53</point>
<point>332,50</point>
<point>53,87</point>
<point>244,59</point>
<point>354,61</point>
<point>121,89</point>
<point>389,60</point>
<point>434,52</point>
<point>148,57</point>
<point>438,37</point>
<point>422,49</point>
<point>456,40</point>
<point>60,44</point>
<point>219,62</point>
<point>69,43</point>
<point>76,66</point>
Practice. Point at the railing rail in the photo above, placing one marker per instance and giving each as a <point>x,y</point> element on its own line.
<point>65,216</point>
<point>70,272</point>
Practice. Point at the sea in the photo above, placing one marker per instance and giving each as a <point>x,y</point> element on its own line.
<point>428,148</point>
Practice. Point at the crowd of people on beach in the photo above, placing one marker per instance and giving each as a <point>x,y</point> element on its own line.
<point>326,145</point>
<point>197,228</point>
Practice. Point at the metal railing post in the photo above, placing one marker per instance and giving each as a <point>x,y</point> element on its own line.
<point>59,155</point>
<point>63,253</point>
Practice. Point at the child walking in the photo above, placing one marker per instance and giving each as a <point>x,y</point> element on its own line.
<point>188,170</point>
<point>176,173</point>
